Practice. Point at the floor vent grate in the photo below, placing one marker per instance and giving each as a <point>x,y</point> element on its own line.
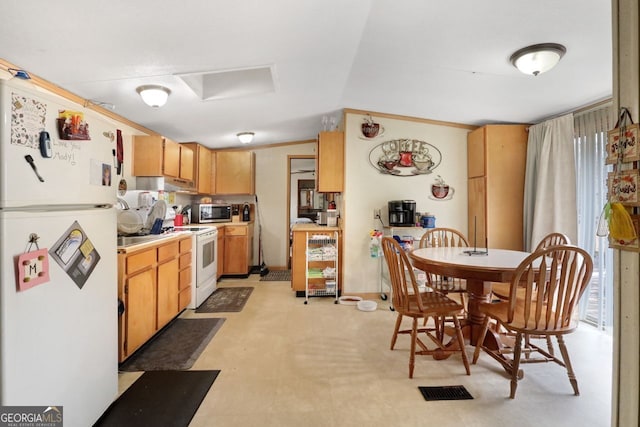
<point>449,392</point>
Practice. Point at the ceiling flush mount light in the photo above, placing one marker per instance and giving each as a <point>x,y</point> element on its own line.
<point>538,58</point>
<point>245,137</point>
<point>154,95</point>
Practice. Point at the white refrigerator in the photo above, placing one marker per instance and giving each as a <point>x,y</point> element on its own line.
<point>58,322</point>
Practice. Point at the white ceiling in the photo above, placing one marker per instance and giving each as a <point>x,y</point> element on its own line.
<point>442,60</point>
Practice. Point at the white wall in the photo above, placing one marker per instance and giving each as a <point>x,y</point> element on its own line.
<point>367,189</point>
<point>271,189</point>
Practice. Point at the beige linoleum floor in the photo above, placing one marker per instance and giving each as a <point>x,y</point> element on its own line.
<point>284,363</point>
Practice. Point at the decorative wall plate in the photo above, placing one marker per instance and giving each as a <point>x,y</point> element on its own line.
<point>405,157</point>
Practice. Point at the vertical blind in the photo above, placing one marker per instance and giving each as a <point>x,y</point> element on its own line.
<point>590,139</point>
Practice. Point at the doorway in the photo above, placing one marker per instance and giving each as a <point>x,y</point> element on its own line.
<point>303,202</point>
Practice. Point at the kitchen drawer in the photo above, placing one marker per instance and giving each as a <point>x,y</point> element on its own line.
<point>168,251</point>
<point>184,298</point>
<point>185,260</point>
<point>140,260</point>
<point>185,279</point>
<point>233,230</point>
<point>185,245</point>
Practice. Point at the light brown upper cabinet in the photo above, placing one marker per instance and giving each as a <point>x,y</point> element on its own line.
<point>496,157</point>
<point>202,167</point>
<point>235,172</point>
<point>159,156</point>
<point>330,162</point>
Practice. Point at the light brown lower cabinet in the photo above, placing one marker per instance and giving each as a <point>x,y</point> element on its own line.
<point>140,311</point>
<point>238,249</point>
<point>153,284</point>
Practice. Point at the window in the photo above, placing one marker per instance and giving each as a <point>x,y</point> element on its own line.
<point>590,139</point>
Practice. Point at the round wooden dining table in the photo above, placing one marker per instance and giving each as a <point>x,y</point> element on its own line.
<point>478,269</point>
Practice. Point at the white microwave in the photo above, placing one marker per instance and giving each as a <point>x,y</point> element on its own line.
<point>207,212</point>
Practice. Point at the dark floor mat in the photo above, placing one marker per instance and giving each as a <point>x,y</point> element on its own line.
<point>449,392</point>
<point>277,276</point>
<point>176,347</point>
<point>225,300</point>
<point>160,398</point>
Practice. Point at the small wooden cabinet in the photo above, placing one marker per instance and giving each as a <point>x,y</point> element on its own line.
<point>203,167</point>
<point>330,162</point>
<point>159,156</point>
<point>496,158</point>
<point>235,172</point>
<point>152,284</point>
<point>238,249</point>
<point>299,254</point>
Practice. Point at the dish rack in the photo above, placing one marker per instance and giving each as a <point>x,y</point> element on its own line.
<point>321,265</point>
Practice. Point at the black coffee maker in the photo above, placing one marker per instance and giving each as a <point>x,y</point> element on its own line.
<point>402,213</point>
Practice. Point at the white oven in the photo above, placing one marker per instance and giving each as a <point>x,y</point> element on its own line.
<point>205,262</point>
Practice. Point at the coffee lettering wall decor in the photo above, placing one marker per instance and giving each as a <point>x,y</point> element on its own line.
<point>405,157</point>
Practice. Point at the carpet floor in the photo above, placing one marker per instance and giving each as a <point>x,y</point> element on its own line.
<point>160,398</point>
<point>277,276</point>
<point>225,300</point>
<point>174,348</point>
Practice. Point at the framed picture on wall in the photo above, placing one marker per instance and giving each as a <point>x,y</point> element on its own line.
<point>623,142</point>
<point>623,187</point>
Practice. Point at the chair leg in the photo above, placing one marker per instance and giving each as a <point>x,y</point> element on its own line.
<point>550,345</point>
<point>567,363</point>
<point>456,322</point>
<point>476,352</point>
<point>412,353</point>
<point>517,351</point>
<point>395,331</point>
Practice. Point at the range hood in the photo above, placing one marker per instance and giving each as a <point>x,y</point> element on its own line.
<point>157,183</point>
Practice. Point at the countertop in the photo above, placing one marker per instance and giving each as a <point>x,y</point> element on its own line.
<point>161,238</point>
<point>303,226</point>
<point>219,224</point>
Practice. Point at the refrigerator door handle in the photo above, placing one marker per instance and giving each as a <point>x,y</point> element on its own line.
<point>56,208</point>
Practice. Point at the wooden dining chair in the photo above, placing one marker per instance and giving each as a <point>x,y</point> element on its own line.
<point>446,237</point>
<point>501,290</point>
<point>408,301</point>
<point>553,280</point>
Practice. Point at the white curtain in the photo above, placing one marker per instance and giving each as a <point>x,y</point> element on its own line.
<point>550,182</point>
